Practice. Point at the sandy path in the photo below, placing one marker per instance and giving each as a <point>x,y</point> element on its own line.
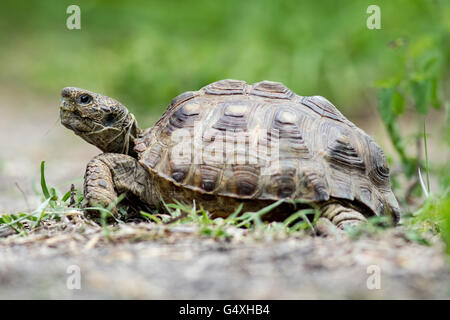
<point>175,263</point>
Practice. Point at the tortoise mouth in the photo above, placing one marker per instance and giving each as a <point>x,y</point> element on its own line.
<point>75,122</point>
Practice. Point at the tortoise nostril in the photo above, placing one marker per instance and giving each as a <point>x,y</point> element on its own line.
<point>77,113</point>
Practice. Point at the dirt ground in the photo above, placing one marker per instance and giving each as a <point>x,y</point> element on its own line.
<point>147,261</point>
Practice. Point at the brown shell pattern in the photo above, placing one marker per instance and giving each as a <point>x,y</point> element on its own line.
<point>263,141</point>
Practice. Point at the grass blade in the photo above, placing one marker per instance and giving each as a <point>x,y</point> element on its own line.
<point>422,184</point>
<point>39,211</point>
<point>426,155</point>
<point>151,217</point>
<point>43,183</point>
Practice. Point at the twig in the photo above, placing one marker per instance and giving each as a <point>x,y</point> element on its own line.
<point>412,186</point>
<point>72,196</point>
<point>24,196</point>
<point>183,214</point>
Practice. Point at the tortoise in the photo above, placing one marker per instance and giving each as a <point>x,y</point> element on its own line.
<point>233,143</point>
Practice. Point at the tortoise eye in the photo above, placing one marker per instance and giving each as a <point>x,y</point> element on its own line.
<point>85,99</point>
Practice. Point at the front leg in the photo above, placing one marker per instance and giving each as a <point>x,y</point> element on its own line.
<point>109,175</point>
<point>335,217</point>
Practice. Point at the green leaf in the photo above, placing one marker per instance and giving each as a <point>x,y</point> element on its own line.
<point>390,102</point>
<point>398,103</point>
<point>387,83</point>
<point>434,95</point>
<point>66,196</point>
<point>421,91</point>
<point>385,99</point>
<point>6,219</point>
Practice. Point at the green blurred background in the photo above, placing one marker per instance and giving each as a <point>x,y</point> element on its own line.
<point>390,82</point>
<point>144,53</point>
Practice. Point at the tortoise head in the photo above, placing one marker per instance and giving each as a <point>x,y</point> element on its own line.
<point>100,120</point>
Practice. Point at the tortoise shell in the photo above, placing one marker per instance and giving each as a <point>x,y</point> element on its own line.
<point>264,142</point>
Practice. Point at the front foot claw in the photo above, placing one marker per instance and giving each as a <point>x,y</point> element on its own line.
<point>98,189</point>
<point>326,228</point>
<point>336,218</point>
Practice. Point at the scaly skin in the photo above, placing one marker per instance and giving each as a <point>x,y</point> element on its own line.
<point>109,175</point>
<point>335,217</point>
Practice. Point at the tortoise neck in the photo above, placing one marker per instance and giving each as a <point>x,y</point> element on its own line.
<point>130,133</point>
<point>115,139</point>
<point>135,133</point>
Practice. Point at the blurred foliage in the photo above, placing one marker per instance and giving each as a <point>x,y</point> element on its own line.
<point>144,53</point>
<point>416,83</point>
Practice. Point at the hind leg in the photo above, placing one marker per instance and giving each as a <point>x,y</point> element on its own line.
<point>335,218</point>
<point>109,175</point>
